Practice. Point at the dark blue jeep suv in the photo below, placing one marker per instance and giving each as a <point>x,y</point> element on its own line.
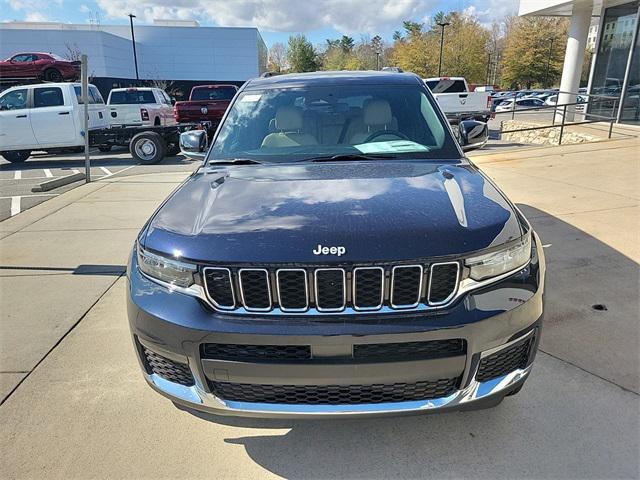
<point>336,254</point>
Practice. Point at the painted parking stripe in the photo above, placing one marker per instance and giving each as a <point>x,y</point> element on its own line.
<point>47,173</point>
<point>106,170</point>
<point>15,206</point>
<point>17,175</point>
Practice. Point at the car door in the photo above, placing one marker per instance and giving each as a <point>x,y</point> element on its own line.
<point>52,118</point>
<point>15,128</point>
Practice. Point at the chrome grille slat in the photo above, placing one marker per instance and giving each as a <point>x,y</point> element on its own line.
<point>289,294</point>
<point>403,279</point>
<point>361,289</point>
<point>443,282</point>
<point>330,297</point>
<point>255,289</point>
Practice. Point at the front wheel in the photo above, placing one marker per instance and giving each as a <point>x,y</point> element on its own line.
<point>148,147</point>
<point>17,156</point>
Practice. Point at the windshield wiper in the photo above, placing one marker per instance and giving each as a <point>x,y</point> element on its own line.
<point>348,156</point>
<point>235,161</point>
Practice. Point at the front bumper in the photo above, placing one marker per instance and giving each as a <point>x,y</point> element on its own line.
<point>489,321</point>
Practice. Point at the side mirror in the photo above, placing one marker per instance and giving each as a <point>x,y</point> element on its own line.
<point>194,144</point>
<point>472,134</point>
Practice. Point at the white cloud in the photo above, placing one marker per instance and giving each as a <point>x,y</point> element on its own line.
<point>487,11</point>
<point>35,17</point>
<point>354,16</point>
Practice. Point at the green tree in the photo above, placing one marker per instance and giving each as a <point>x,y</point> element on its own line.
<point>533,52</point>
<point>301,55</point>
<point>346,43</point>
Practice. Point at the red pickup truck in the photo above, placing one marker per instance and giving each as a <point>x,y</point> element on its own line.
<point>206,103</point>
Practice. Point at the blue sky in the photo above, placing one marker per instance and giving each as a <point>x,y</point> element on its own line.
<point>276,19</point>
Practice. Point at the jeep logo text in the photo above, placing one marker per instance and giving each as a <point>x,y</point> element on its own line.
<point>320,250</point>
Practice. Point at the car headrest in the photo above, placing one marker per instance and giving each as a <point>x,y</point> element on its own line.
<point>377,112</point>
<point>288,119</point>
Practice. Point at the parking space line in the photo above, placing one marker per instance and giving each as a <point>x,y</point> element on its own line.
<point>106,170</point>
<point>47,173</point>
<point>75,170</point>
<point>119,171</point>
<point>15,206</point>
<point>17,175</point>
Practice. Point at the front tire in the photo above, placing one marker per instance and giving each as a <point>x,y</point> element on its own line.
<point>148,148</point>
<point>17,156</point>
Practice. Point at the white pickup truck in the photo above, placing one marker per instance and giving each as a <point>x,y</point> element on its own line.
<point>457,102</point>
<point>46,117</point>
<point>140,107</point>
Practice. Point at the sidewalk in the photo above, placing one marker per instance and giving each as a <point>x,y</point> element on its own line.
<point>83,410</point>
<point>58,258</point>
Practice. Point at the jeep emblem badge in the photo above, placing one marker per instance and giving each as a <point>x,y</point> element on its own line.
<point>320,250</point>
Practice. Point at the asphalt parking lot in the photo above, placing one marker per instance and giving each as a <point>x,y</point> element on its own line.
<point>17,180</point>
<point>75,404</point>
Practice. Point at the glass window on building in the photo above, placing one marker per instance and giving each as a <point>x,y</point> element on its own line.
<point>613,54</point>
<point>631,105</point>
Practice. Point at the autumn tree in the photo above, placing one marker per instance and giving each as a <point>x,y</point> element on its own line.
<point>278,58</point>
<point>534,52</point>
<point>301,55</point>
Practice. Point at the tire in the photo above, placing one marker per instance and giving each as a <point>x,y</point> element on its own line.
<point>148,148</point>
<point>17,156</point>
<point>52,75</point>
<point>104,148</point>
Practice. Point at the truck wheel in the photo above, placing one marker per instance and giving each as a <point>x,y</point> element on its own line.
<point>17,156</point>
<point>52,75</point>
<point>104,148</point>
<point>148,147</point>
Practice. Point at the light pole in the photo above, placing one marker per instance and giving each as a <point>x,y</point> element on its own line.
<point>443,25</point>
<point>133,41</point>
<point>546,73</point>
<point>377,60</point>
<point>488,68</point>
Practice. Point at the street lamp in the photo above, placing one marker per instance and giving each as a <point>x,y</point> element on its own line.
<point>377,60</point>
<point>546,73</point>
<point>443,25</point>
<point>488,68</point>
<point>133,41</point>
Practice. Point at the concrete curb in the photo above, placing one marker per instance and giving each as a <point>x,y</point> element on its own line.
<point>58,182</point>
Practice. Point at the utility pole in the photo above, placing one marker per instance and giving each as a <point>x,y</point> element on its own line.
<point>443,25</point>
<point>133,41</point>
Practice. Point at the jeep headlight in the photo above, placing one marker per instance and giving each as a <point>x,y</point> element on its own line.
<point>166,269</point>
<point>501,261</point>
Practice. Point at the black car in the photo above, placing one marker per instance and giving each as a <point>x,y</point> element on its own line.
<point>336,254</point>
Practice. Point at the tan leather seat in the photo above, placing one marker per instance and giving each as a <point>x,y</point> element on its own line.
<point>376,116</point>
<point>288,124</point>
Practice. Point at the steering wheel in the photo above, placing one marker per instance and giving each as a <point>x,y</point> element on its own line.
<point>379,133</point>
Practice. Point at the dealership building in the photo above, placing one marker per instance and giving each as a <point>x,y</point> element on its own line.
<point>615,63</point>
<point>180,52</point>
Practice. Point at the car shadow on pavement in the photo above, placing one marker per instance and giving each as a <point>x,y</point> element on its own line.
<point>571,420</point>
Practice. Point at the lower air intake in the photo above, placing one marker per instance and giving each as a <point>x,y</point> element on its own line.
<point>334,394</point>
<point>168,369</point>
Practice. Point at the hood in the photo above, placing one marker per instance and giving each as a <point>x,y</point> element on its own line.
<point>376,211</point>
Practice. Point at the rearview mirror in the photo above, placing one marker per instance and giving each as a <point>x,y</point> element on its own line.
<point>194,144</point>
<point>472,134</point>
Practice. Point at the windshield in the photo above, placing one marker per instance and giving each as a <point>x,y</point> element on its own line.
<point>217,93</point>
<point>122,97</point>
<point>294,124</point>
<point>446,85</point>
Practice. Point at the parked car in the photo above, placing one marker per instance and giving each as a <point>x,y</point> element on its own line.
<point>46,117</point>
<point>456,101</point>
<point>336,254</point>
<point>44,66</point>
<point>521,104</point>
<point>206,103</point>
<point>140,106</point>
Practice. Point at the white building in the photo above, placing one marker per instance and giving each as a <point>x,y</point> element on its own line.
<point>166,50</point>
<point>615,68</point>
